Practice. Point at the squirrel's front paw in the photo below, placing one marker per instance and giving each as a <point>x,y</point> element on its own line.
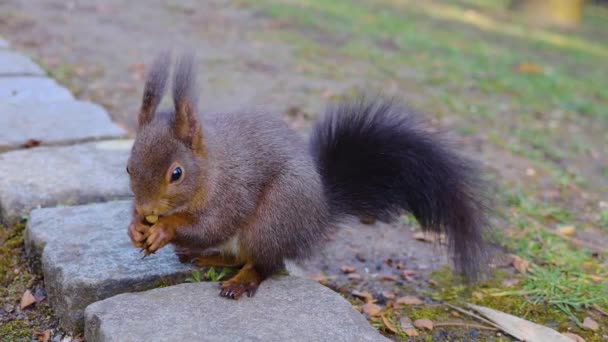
<point>158,236</point>
<point>138,232</point>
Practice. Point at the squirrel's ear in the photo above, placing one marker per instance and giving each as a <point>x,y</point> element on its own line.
<point>154,88</point>
<point>187,126</point>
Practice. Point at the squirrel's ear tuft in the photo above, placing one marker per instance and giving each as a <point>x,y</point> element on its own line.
<point>187,127</point>
<point>154,88</point>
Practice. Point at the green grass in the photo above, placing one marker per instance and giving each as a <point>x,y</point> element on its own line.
<point>463,65</point>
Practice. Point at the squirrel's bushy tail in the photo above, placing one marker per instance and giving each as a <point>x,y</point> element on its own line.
<point>376,160</point>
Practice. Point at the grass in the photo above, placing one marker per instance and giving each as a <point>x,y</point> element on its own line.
<point>536,93</point>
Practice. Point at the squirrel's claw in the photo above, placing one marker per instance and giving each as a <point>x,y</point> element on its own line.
<point>235,290</point>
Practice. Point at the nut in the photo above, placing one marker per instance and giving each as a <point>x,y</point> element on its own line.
<point>152,219</point>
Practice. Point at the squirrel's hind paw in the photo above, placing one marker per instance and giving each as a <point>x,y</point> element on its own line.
<point>244,282</point>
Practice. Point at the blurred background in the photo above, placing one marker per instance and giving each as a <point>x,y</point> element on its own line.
<point>521,85</point>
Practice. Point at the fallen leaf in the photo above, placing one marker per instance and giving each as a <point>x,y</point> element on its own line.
<point>42,336</point>
<point>388,324</point>
<point>574,337</point>
<point>477,295</point>
<point>528,68</point>
<point>408,275</point>
<point>388,294</point>
<point>424,324</point>
<point>520,328</point>
<point>27,299</point>
<point>589,323</point>
<point>566,230</point>
<point>387,278</point>
<point>530,172</point>
<point>400,266</point>
<point>318,277</point>
<point>407,327</point>
<point>363,295</point>
<point>31,143</point>
<point>354,276</point>
<point>409,300</point>
<point>510,282</point>
<point>361,257</point>
<point>348,269</point>
<point>372,310</point>
<point>520,264</point>
<point>424,236</point>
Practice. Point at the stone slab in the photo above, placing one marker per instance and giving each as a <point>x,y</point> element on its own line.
<point>14,89</point>
<point>285,308</point>
<point>54,123</point>
<point>16,64</point>
<point>62,175</point>
<point>85,256</point>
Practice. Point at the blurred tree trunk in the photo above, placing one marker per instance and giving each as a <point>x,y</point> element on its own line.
<point>566,13</point>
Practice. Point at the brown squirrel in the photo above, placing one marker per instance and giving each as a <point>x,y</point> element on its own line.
<point>248,186</point>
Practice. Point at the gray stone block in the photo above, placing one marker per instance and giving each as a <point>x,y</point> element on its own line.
<point>3,43</point>
<point>54,123</point>
<point>65,175</point>
<point>86,256</point>
<point>15,64</point>
<point>14,89</point>
<point>284,308</point>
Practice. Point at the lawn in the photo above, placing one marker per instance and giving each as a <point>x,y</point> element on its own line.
<point>535,98</point>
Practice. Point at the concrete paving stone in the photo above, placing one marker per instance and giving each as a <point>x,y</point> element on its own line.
<point>62,175</point>
<point>54,123</point>
<point>3,43</point>
<point>16,64</point>
<point>285,308</point>
<point>15,89</point>
<point>85,256</point>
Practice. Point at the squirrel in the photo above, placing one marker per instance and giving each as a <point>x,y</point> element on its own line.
<point>245,190</point>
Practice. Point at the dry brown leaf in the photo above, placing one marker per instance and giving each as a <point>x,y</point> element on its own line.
<point>520,264</point>
<point>31,143</point>
<point>348,269</point>
<point>477,295</point>
<point>589,323</point>
<point>42,336</point>
<point>387,278</point>
<point>27,299</point>
<point>368,297</point>
<point>510,282</point>
<point>388,294</point>
<point>409,300</point>
<point>371,310</point>
<point>574,337</point>
<point>354,276</point>
<point>566,230</point>
<point>400,266</point>
<point>424,236</point>
<point>321,278</point>
<point>528,68</point>
<point>424,324</point>
<point>407,327</point>
<point>388,324</point>
<point>411,332</point>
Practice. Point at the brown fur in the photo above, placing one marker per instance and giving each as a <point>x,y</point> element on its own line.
<point>253,192</point>
<point>241,171</point>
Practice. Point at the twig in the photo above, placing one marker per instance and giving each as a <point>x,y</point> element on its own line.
<point>597,307</point>
<point>460,324</point>
<point>466,312</point>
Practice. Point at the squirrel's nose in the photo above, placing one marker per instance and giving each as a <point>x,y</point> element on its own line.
<point>146,209</point>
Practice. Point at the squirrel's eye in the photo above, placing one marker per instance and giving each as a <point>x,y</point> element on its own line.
<point>176,174</point>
